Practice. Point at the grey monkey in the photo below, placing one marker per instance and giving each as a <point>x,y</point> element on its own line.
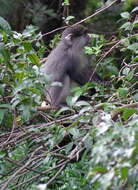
<point>67,63</point>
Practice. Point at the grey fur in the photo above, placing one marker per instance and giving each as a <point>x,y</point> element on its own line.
<point>67,63</point>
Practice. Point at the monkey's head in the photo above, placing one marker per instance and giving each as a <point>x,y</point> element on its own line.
<point>76,36</point>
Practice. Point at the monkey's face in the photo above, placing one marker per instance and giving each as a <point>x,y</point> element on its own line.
<point>76,36</point>
<point>81,41</point>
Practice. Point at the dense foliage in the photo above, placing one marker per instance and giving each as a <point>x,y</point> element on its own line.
<point>89,144</point>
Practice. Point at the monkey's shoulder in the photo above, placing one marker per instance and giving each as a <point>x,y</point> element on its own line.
<point>57,61</point>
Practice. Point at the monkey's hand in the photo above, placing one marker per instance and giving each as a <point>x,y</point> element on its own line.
<point>45,107</point>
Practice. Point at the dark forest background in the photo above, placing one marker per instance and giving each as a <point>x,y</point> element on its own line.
<point>92,142</point>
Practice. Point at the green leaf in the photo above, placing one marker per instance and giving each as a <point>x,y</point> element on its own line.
<point>135,97</point>
<point>82,103</point>
<point>125,15</point>
<point>123,92</point>
<point>2,87</point>
<point>106,181</point>
<point>26,111</point>
<point>125,71</point>
<point>88,50</point>
<point>128,112</point>
<point>19,152</point>
<point>126,26</point>
<point>69,147</point>
<point>77,91</point>
<point>63,109</point>
<point>135,59</point>
<point>75,132</point>
<point>68,19</point>
<point>2,155</point>
<point>6,54</point>
<point>133,47</point>
<point>71,100</point>
<point>130,75</point>
<point>124,172</point>
<point>4,24</point>
<point>66,2</point>
<point>85,109</point>
<point>8,106</point>
<point>27,46</point>
<point>135,22</point>
<point>135,9</point>
<point>2,112</point>
<point>88,143</point>
<point>17,35</point>
<point>34,58</point>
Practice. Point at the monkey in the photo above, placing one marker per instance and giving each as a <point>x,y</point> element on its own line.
<point>67,64</point>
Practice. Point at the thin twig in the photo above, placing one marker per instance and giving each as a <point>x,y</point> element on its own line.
<point>11,133</point>
<point>37,176</point>
<point>54,177</point>
<point>116,111</point>
<point>19,164</point>
<point>17,172</point>
<point>130,65</point>
<point>76,149</point>
<point>97,12</point>
<point>83,20</point>
<point>109,51</point>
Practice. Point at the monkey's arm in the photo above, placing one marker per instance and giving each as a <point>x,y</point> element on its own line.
<point>87,74</point>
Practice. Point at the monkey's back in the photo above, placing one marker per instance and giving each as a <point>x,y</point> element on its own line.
<point>56,63</point>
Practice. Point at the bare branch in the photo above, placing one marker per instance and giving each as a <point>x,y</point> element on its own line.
<point>83,20</point>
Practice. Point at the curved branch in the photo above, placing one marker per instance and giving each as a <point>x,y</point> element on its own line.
<point>83,20</point>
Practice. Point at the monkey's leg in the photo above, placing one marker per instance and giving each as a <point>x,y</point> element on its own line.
<point>56,95</point>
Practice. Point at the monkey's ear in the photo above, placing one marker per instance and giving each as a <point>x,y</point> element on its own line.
<point>68,39</point>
